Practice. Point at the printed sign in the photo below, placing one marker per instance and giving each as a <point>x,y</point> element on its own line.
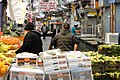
<point>26,76</point>
<point>48,6</point>
<point>60,76</point>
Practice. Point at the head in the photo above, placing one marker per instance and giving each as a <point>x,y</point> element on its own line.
<point>66,26</point>
<point>30,26</point>
<point>44,25</point>
<point>75,25</point>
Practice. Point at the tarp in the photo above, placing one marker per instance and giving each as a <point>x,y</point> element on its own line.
<point>16,10</point>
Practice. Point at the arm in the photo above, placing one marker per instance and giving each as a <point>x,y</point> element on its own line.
<point>50,46</point>
<point>26,44</point>
<point>75,47</point>
<point>76,43</point>
<point>52,43</point>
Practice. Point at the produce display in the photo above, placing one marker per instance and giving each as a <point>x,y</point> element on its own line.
<point>105,62</point>
<point>4,48</point>
<point>107,76</point>
<point>109,50</point>
<point>8,45</point>
<point>9,40</point>
<point>4,64</point>
<point>107,66</point>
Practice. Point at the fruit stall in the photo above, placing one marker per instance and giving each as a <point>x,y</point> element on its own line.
<point>8,45</point>
<point>52,65</point>
<point>103,64</point>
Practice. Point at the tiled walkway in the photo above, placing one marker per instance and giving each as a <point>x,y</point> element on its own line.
<point>46,43</point>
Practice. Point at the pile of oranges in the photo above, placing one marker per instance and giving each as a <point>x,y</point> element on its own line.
<point>3,68</point>
<point>9,40</point>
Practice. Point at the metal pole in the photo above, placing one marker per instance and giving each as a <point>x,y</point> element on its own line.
<point>112,18</point>
<point>1,16</point>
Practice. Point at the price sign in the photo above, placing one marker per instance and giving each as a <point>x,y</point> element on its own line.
<point>48,6</point>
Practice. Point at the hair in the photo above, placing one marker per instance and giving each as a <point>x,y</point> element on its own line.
<point>29,26</point>
<point>66,26</point>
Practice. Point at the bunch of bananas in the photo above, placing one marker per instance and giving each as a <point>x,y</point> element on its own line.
<point>4,48</point>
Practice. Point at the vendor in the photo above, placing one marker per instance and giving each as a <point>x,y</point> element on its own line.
<point>32,42</point>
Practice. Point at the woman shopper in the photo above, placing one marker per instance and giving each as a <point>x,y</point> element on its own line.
<point>44,30</point>
<point>32,42</point>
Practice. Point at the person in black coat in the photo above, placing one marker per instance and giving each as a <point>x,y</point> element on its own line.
<point>32,42</point>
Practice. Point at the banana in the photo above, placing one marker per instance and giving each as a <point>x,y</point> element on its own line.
<point>5,47</point>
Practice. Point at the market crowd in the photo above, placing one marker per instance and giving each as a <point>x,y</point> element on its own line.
<point>32,43</point>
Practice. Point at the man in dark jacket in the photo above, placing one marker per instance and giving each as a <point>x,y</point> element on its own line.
<point>32,42</point>
<point>64,40</point>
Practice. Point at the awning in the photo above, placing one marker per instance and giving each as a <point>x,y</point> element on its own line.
<point>15,11</point>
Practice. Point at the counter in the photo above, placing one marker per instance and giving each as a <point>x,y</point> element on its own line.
<point>89,43</point>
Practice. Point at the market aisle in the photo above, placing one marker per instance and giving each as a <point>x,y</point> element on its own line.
<point>46,43</point>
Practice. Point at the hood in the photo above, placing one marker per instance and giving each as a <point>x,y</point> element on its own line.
<point>37,32</point>
<point>64,32</point>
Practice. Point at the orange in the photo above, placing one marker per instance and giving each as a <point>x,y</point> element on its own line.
<point>1,75</point>
<point>3,70</point>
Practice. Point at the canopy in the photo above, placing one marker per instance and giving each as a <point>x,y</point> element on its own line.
<point>15,11</point>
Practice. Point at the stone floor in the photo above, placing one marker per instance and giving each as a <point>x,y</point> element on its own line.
<point>46,43</point>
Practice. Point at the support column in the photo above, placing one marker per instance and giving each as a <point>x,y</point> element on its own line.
<point>1,16</point>
<point>112,18</point>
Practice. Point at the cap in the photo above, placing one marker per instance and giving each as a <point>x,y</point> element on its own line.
<point>29,26</point>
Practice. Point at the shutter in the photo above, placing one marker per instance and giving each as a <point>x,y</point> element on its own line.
<point>107,20</point>
<point>117,17</point>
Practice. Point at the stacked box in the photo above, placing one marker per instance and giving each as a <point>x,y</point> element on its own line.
<point>81,74</point>
<point>81,69</point>
<point>26,74</point>
<point>60,76</point>
<point>77,59</point>
<point>27,60</point>
<point>54,62</point>
<point>55,66</point>
<point>72,59</point>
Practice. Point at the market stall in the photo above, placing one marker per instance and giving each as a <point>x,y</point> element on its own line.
<point>51,65</point>
<point>8,45</point>
<point>103,64</point>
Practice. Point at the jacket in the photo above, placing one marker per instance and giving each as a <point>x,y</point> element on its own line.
<point>32,43</point>
<point>44,29</point>
<point>64,41</point>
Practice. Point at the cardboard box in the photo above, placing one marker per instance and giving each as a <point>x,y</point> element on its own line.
<point>26,74</point>
<point>27,60</point>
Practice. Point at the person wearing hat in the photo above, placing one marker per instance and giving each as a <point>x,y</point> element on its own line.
<point>73,29</point>
<point>32,42</point>
<point>64,40</point>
